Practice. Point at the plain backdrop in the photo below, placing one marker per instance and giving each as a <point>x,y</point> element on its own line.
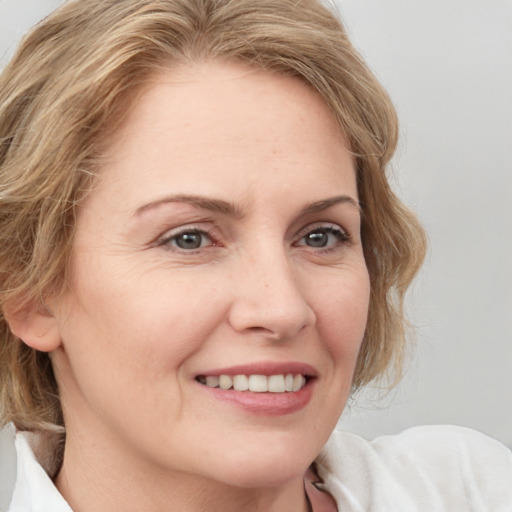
<point>448,67</point>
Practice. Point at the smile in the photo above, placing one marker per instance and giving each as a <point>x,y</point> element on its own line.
<point>280,383</point>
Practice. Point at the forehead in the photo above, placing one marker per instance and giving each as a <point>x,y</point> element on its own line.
<point>226,120</point>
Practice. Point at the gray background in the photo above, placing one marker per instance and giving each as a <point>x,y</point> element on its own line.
<point>448,67</point>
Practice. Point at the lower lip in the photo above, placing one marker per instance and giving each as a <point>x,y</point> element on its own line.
<point>268,404</point>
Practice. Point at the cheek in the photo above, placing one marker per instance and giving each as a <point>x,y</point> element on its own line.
<point>157,319</point>
<point>127,341</point>
<point>342,315</point>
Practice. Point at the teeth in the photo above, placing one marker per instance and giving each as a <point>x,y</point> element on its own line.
<point>225,382</point>
<point>298,382</point>
<point>276,384</point>
<point>212,382</point>
<point>288,382</point>
<point>256,383</point>
<point>240,383</point>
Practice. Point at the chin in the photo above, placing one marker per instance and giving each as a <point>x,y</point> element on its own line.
<point>269,465</point>
<point>260,474</point>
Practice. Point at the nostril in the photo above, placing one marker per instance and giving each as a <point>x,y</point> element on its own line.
<point>277,312</point>
<point>262,330</point>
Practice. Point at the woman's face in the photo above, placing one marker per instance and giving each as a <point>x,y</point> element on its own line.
<point>222,238</point>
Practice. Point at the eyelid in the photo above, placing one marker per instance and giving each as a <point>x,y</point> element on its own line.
<point>170,234</point>
<point>325,226</point>
<point>338,238</point>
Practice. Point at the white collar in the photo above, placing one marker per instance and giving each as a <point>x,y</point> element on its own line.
<point>34,489</point>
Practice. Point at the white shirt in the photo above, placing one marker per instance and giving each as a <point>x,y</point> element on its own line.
<point>427,469</point>
<point>34,490</point>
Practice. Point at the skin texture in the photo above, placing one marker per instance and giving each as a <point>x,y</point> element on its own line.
<point>143,317</point>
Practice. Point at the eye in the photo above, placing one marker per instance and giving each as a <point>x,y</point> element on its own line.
<point>324,237</point>
<point>188,240</point>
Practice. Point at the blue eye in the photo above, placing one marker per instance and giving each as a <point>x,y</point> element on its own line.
<point>325,237</point>
<point>189,240</point>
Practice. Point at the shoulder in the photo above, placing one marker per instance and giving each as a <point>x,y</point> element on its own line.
<point>447,467</point>
<point>456,446</point>
<point>33,488</point>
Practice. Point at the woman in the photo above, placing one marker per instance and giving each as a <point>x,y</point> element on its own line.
<point>201,260</point>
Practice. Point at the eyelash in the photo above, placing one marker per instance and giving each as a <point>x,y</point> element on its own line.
<point>168,238</point>
<point>340,234</point>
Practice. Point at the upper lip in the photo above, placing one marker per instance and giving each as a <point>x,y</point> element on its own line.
<point>265,368</point>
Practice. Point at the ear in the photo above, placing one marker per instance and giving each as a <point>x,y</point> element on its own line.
<point>35,325</point>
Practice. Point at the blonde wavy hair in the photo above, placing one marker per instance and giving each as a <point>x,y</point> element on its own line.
<point>67,89</point>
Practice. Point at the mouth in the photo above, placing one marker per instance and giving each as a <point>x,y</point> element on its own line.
<point>263,388</point>
<point>255,383</point>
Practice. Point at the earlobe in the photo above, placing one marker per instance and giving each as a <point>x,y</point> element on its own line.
<point>35,325</point>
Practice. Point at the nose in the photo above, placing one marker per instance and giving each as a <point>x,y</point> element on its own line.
<point>268,300</point>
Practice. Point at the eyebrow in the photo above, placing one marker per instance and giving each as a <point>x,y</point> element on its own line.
<point>327,203</point>
<point>227,208</point>
<point>205,203</point>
